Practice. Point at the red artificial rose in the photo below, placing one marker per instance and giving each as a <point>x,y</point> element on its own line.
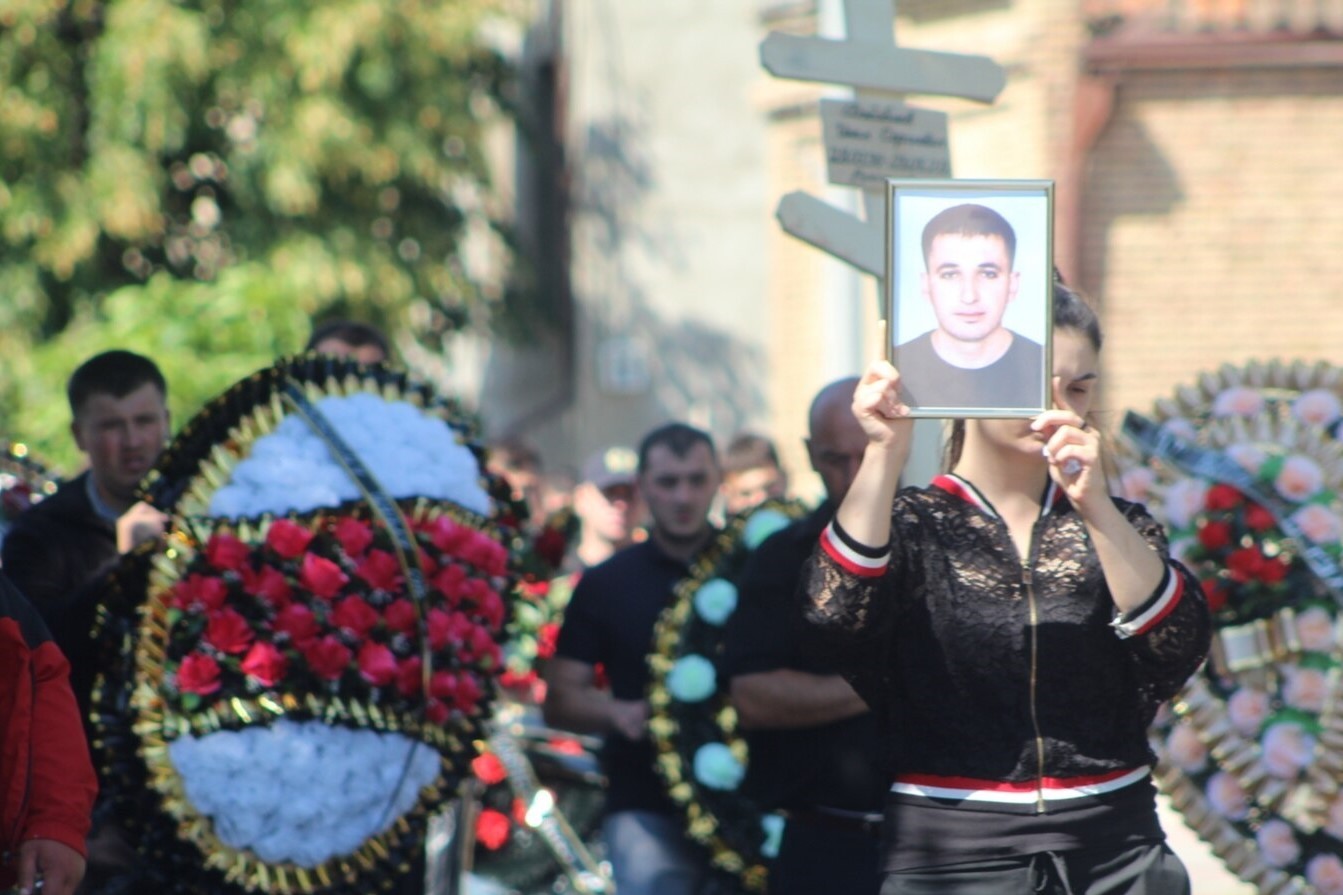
<point>227,554</point>
<point>297,622</point>
<point>546,637</point>
<point>377,665</point>
<point>1245,564</point>
<point>328,657</point>
<point>436,711</point>
<point>265,664</point>
<point>269,585</point>
<point>401,616</point>
<point>488,768</point>
<point>469,692</point>
<point>1222,497</point>
<point>353,614</point>
<point>410,676</point>
<point>447,628</point>
<point>481,647</point>
<point>489,605</point>
<point>522,683</point>
<point>551,545</point>
<point>288,538</point>
<point>354,535</point>
<point>485,553</point>
<point>518,811</point>
<point>534,590</point>
<point>200,593</point>
<point>380,569</point>
<point>492,829</point>
<point>198,674</point>
<point>443,685</point>
<point>1214,535</point>
<point>1257,518</point>
<point>228,632</point>
<point>450,581</point>
<point>321,577</point>
<point>1273,570</point>
<point>566,746</point>
<point>447,535</point>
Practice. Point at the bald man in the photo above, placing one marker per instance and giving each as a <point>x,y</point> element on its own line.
<point>813,742</point>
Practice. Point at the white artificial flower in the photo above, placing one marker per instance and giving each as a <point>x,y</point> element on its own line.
<point>1325,873</point>
<point>715,600</point>
<point>692,679</point>
<point>1247,709</point>
<point>1277,843</point>
<point>1320,525</point>
<point>1183,500</point>
<point>717,768</point>
<point>1287,748</point>
<point>1248,457</point>
<point>1318,407</point>
<point>409,454</point>
<point>1227,797</point>
<point>302,792</point>
<point>1238,401</point>
<point>1300,479</point>
<point>1185,750</point>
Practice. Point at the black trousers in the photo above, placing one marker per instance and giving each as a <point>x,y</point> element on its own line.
<point>826,860</point>
<point>1150,869</point>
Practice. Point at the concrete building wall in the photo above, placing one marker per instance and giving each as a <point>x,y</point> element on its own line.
<point>665,150</point>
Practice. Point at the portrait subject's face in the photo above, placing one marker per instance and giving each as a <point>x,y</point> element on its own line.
<point>969,282</point>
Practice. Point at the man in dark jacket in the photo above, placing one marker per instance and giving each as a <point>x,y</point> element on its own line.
<point>57,550</point>
<point>47,784</point>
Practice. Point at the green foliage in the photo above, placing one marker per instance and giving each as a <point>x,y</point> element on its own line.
<point>234,166</point>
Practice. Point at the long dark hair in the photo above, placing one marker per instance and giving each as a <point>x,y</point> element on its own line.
<point>1071,311</point>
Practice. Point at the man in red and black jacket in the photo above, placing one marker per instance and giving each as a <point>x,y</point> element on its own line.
<point>47,784</point>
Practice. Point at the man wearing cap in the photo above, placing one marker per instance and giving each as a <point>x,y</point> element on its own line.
<point>608,506</point>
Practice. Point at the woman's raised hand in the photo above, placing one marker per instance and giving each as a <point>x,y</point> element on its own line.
<point>1073,450</point>
<point>878,408</point>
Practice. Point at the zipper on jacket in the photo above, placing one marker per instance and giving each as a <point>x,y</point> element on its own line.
<point>1034,681</point>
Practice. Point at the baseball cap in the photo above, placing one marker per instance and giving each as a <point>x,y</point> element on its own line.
<point>611,466</point>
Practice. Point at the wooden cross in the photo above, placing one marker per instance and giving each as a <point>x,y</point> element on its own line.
<point>868,60</point>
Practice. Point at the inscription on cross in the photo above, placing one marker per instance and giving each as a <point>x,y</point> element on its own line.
<point>875,135</point>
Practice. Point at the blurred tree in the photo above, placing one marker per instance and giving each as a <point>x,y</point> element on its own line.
<point>201,177</point>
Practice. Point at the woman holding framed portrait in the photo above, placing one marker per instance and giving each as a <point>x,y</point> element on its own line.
<point>1015,628</point>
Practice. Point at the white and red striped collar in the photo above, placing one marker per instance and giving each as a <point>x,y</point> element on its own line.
<point>962,488</point>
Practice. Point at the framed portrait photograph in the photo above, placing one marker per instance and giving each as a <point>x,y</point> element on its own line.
<point>969,281</point>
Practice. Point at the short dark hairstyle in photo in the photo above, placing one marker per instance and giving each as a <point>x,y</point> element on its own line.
<point>354,333</point>
<point>679,438</point>
<point>117,373</point>
<point>969,219</point>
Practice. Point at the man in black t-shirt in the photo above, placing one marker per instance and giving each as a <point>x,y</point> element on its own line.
<point>609,621</point>
<point>813,742</point>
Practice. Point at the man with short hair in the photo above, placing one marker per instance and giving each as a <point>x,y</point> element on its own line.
<point>58,549</point>
<point>752,473</point>
<point>610,622</point>
<point>970,359</point>
<point>361,341</point>
<point>814,745</point>
<point>608,505</point>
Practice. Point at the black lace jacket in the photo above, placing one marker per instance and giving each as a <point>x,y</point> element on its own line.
<point>986,667</point>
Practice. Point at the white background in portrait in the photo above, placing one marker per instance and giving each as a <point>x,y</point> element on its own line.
<point>1027,215</point>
